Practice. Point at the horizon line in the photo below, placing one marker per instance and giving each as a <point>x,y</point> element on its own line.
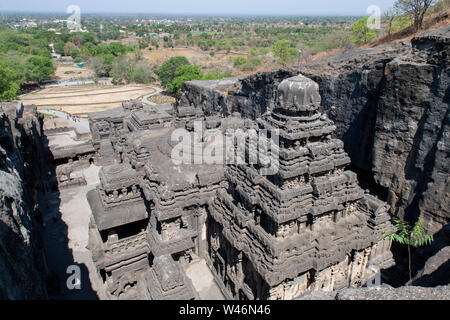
<point>188,14</point>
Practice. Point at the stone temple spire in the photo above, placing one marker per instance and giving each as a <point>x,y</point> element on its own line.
<point>306,146</point>
<point>307,227</point>
<point>298,94</point>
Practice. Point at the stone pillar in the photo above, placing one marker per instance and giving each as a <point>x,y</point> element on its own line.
<point>112,236</point>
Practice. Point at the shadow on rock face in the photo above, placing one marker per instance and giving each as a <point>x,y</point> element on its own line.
<point>66,279</point>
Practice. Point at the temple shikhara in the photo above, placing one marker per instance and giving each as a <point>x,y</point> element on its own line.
<point>308,226</point>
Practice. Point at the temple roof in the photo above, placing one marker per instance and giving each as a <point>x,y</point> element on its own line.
<point>298,94</point>
<point>117,176</point>
<point>150,116</point>
<point>116,114</point>
<point>111,217</point>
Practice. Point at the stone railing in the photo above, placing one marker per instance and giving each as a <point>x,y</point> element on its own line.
<point>129,244</point>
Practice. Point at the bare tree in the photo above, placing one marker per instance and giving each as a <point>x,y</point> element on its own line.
<point>390,15</point>
<point>415,8</point>
<point>98,65</point>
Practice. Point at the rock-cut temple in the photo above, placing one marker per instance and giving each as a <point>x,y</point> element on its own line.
<point>307,227</point>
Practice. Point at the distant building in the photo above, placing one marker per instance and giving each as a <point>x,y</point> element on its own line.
<point>30,85</point>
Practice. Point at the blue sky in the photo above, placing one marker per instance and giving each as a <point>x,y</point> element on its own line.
<point>257,7</point>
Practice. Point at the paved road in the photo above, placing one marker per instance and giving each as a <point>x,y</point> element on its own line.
<point>145,98</point>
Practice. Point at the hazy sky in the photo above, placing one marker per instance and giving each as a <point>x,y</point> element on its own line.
<point>264,7</point>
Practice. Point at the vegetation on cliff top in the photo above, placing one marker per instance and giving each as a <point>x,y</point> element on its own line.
<point>23,57</point>
<point>120,48</point>
<point>177,70</point>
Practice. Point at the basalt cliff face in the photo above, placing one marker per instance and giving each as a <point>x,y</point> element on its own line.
<point>391,108</point>
<point>22,159</point>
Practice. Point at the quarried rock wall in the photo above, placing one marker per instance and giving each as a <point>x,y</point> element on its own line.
<point>22,157</point>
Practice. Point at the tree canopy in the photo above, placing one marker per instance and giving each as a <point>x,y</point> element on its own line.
<point>412,236</point>
<point>185,73</point>
<point>39,68</point>
<point>9,86</point>
<point>177,70</point>
<point>167,72</point>
<point>361,33</point>
<point>23,57</point>
<point>284,52</point>
<point>129,68</point>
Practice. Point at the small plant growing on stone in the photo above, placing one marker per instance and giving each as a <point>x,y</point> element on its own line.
<point>416,236</point>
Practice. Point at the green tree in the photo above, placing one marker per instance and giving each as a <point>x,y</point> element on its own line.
<point>68,47</point>
<point>9,86</point>
<point>75,53</point>
<point>39,68</point>
<point>27,55</point>
<point>167,72</point>
<point>185,73</point>
<point>283,51</point>
<point>239,61</point>
<point>59,47</point>
<point>252,63</point>
<point>155,43</point>
<point>411,236</point>
<point>143,44</point>
<point>253,52</point>
<point>361,33</point>
<point>88,50</point>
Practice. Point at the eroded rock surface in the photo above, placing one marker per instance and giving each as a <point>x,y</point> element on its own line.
<point>21,163</point>
<point>382,293</point>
